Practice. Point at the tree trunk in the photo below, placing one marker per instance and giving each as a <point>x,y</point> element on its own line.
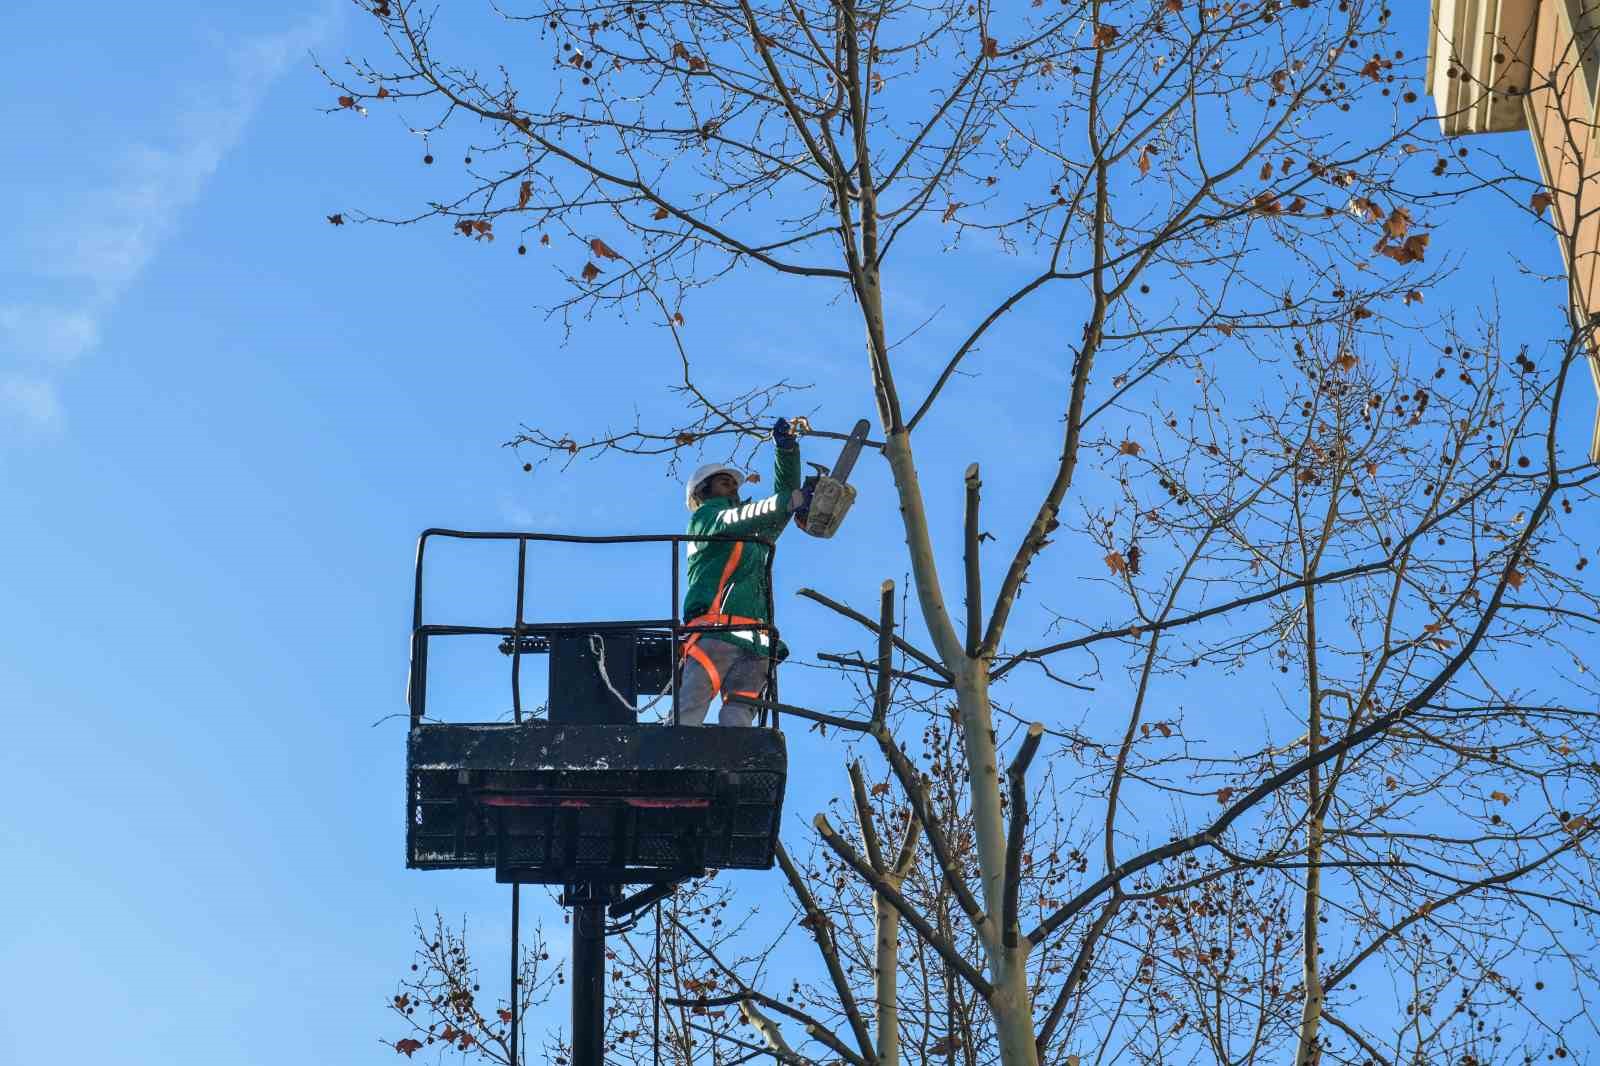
<point>1012,1001</point>
<point>886,926</point>
<point>1012,1004</point>
<point>1311,1010</point>
<point>1311,976</point>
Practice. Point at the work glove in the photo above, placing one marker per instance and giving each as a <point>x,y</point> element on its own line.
<point>783,433</point>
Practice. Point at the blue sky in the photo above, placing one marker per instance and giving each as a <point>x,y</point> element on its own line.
<point>222,424</point>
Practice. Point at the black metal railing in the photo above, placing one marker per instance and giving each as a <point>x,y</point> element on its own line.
<point>518,633</point>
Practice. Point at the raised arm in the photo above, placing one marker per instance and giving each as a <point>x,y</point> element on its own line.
<point>785,460</point>
<point>766,516</point>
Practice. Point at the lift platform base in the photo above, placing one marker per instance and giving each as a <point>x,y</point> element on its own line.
<point>556,803</point>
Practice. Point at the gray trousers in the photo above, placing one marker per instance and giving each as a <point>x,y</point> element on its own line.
<point>716,667</point>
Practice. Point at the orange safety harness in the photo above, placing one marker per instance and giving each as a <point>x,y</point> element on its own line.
<point>715,617</point>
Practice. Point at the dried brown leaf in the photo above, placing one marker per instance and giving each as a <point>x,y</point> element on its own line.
<point>1398,222</point>
<point>1412,250</point>
<point>1364,209</point>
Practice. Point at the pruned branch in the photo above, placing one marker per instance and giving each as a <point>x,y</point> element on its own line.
<point>856,616</point>
<point>917,794</point>
<point>893,896</point>
<point>869,832</point>
<point>855,662</point>
<point>1016,774</point>
<point>821,927</point>
<point>882,691</point>
<point>971,539</point>
<point>821,717</point>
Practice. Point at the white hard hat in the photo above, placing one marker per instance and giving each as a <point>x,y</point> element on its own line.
<point>698,478</point>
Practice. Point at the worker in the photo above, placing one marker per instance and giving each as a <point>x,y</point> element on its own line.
<point>728,583</point>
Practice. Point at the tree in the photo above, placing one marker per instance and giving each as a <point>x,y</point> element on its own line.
<point>439,1002</point>
<point>1288,480</point>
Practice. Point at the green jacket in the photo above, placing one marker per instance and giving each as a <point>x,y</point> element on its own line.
<point>731,578</point>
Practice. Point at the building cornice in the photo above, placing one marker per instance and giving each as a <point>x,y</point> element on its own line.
<point>1478,63</point>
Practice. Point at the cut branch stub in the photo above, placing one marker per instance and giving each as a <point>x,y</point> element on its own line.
<point>971,540</point>
<point>880,702</point>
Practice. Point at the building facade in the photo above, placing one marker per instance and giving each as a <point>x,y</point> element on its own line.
<point>1534,65</point>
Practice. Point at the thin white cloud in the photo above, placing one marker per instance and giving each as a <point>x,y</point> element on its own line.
<point>51,334</point>
<point>518,515</point>
<point>105,234</point>
<point>31,400</point>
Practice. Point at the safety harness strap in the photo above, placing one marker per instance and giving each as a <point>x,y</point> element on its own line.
<point>692,650</point>
<point>715,617</point>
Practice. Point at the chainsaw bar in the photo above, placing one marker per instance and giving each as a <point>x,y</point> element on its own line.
<point>851,451</point>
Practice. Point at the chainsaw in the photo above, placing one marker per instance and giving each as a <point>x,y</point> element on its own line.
<point>825,496</point>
